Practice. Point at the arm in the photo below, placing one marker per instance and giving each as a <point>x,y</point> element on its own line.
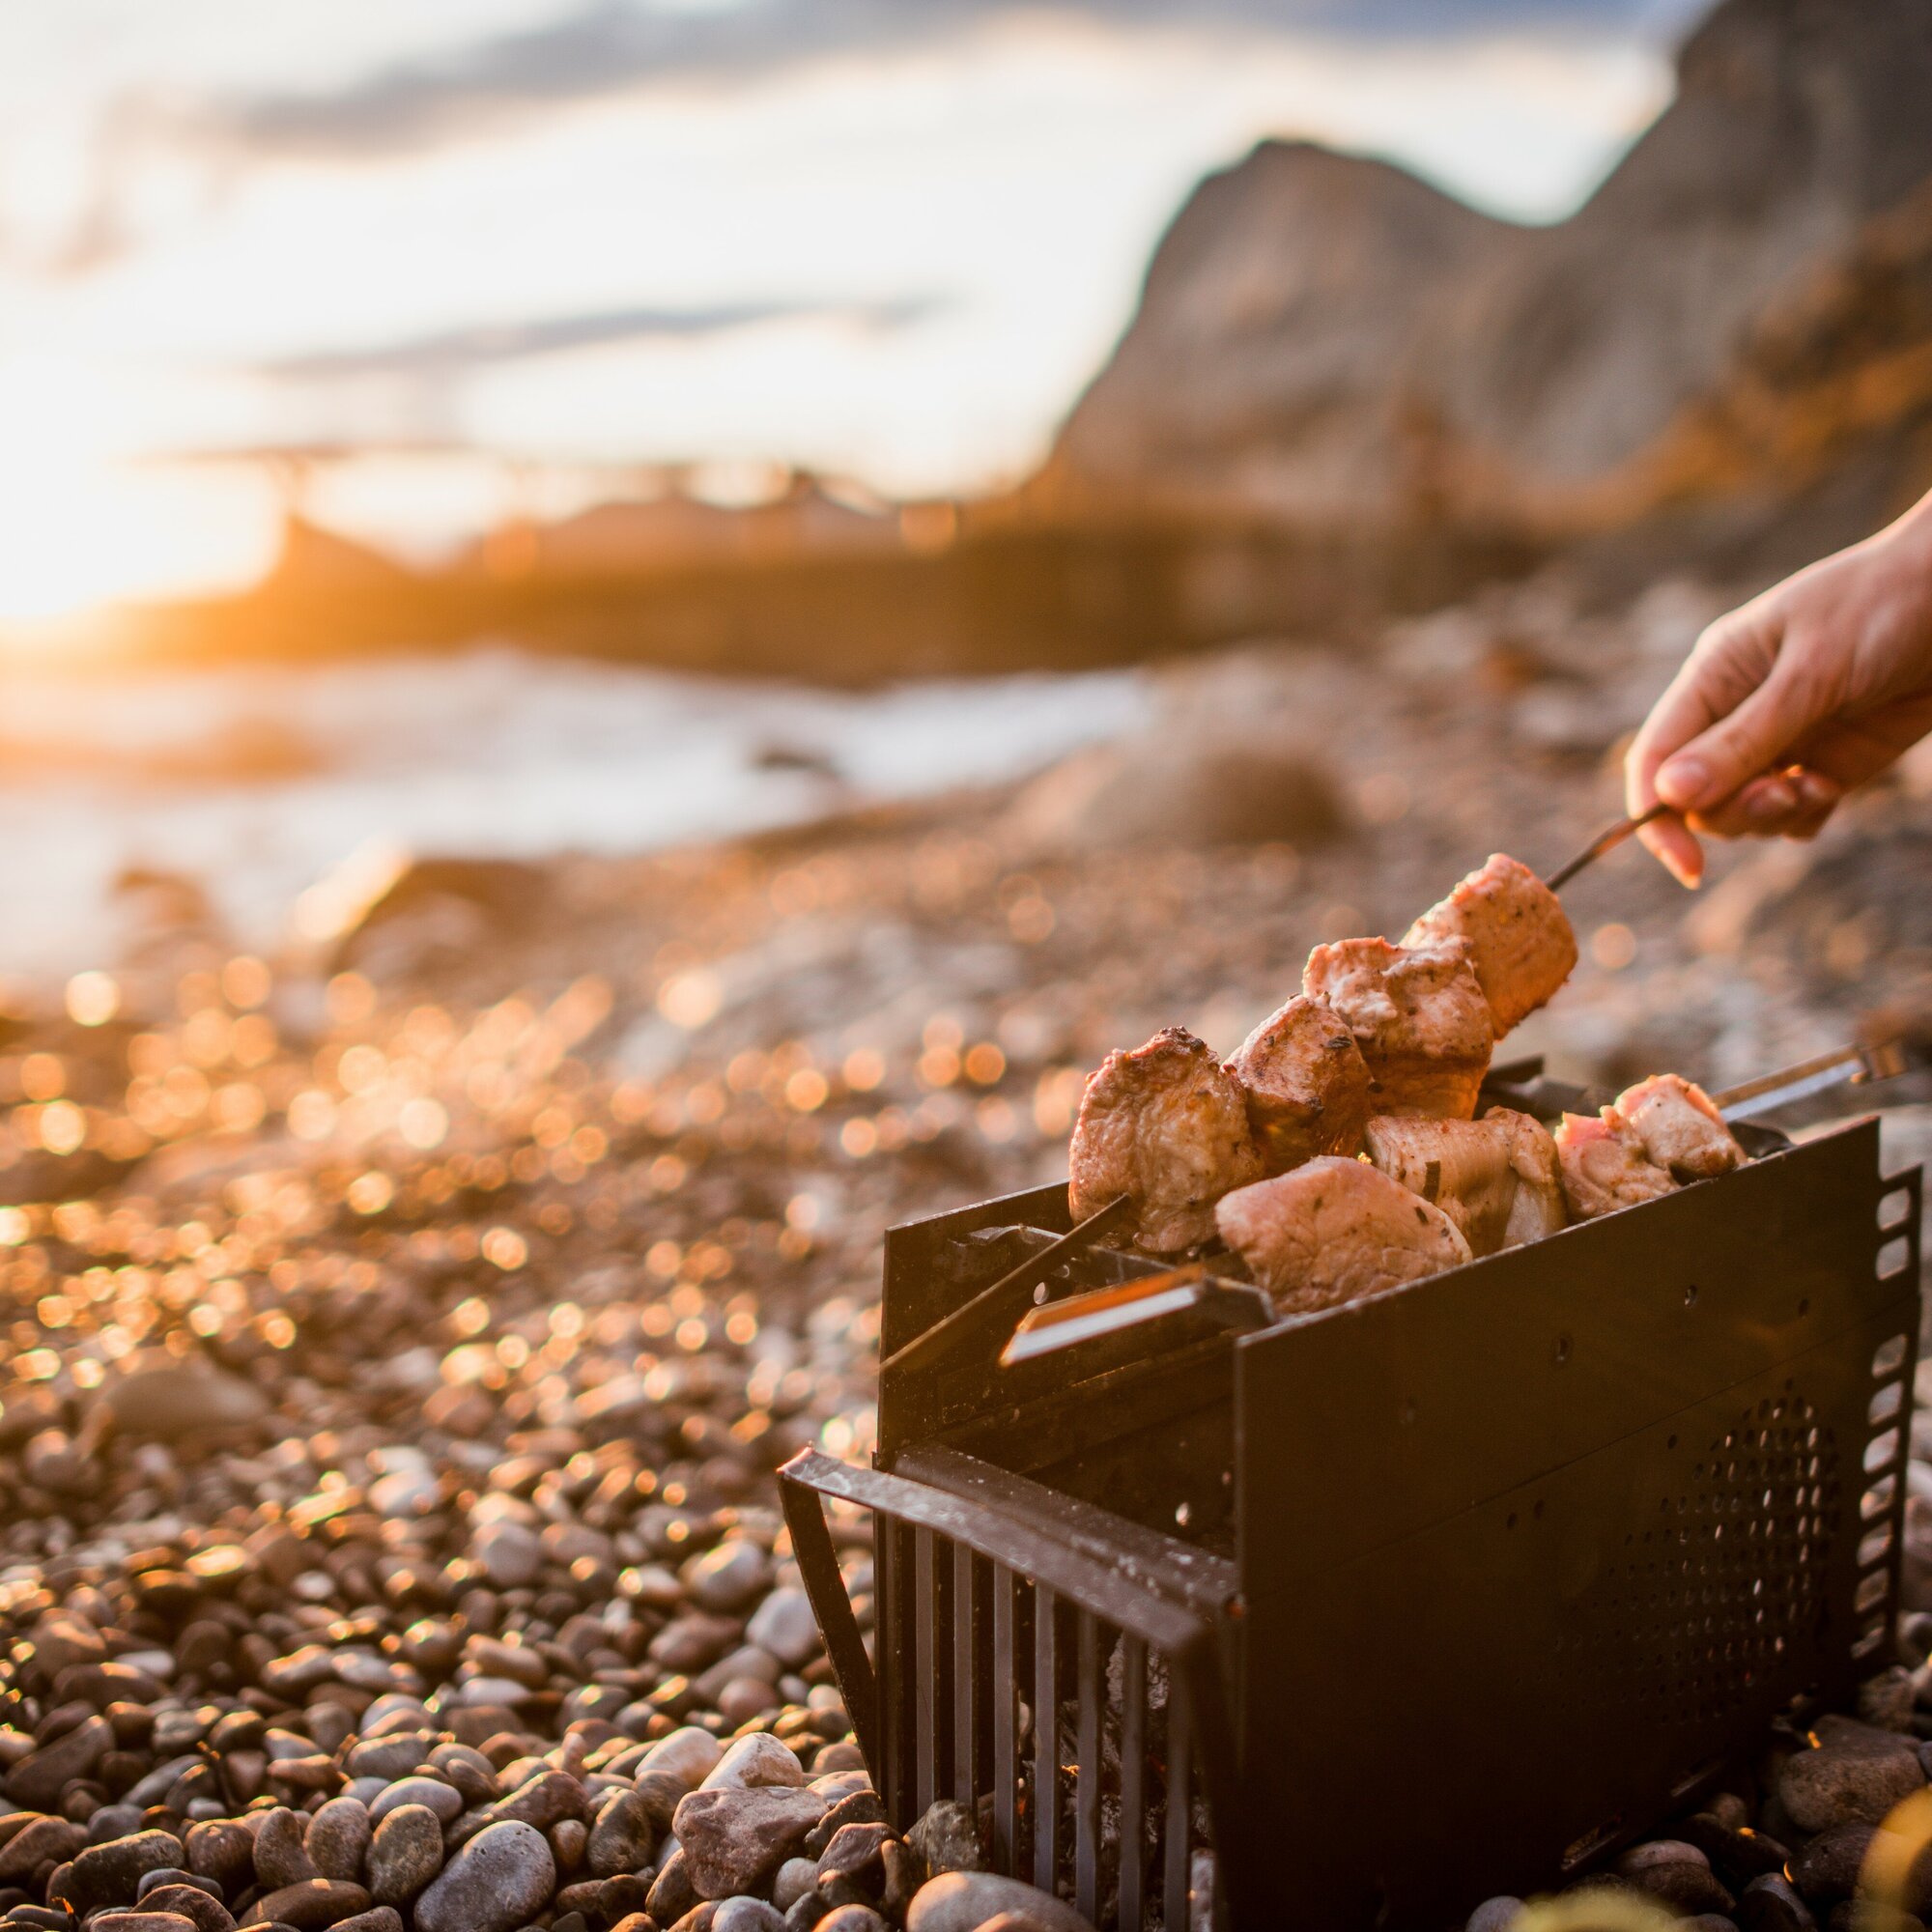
<point>1788,702</point>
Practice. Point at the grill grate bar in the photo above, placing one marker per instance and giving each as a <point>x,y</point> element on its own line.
<point>925,1669</point>
<point>965,1677</point>
<point>1045,1739</point>
<point>1133,1778</point>
<point>1180,1799</point>
<point>1087,1785</point>
<point>1005,1723</point>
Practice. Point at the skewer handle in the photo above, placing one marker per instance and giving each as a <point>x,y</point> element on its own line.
<point>1604,841</point>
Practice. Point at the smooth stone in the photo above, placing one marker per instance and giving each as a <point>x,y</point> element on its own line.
<point>405,1854</point>
<point>338,1838</point>
<point>1851,1781</point>
<point>37,1782</point>
<point>623,1837</point>
<point>795,1878</point>
<point>42,1841</point>
<point>139,1920</point>
<point>727,1578</point>
<point>504,1876</point>
<point>308,1907</point>
<point>110,1873</point>
<point>1827,1868</point>
<point>963,1902</point>
<point>221,1850</point>
<point>753,1762</point>
<point>190,1902</point>
<point>734,1840</point>
<point>690,1755</point>
<point>170,1399</point>
<point>863,1918</point>
<point>784,1624</point>
<point>747,1914</point>
<point>853,1849</point>
<point>431,1793</point>
<point>378,1919</point>
<point>1688,1886</point>
<point>280,1858</point>
<point>671,1894</point>
<point>1494,1915</point>
<point>510,1556</point>
<point>1772,1904</point>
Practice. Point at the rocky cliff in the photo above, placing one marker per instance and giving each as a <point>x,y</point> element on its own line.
<point>1327,340</point>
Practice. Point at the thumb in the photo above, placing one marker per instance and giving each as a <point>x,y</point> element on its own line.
<point>1754,738</point>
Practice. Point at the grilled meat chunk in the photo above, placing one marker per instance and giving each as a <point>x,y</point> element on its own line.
<point>1167,1125</point>
<point>1678,1127</point>
<point>1604,1166</point>
<point>1335,1231</point>
<point>1462,1167</point>
<point>1538,1208</point>
<point>1519,939</point>
<point>1419,1016</point>
<point>1306,1083</point>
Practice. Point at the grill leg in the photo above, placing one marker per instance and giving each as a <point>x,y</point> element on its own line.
<point>1134,1780</point>
<point>825,1588</point>
<point>1045,1741</point>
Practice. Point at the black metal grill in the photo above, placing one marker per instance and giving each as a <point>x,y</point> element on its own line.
<point>1579,1517</point>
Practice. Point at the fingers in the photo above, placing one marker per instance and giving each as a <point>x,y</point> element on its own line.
<point>1720,763</point>
<point>1728,664</point>
<point>1673,846</point>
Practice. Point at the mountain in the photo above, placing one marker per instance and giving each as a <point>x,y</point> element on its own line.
<point>1329,342</point>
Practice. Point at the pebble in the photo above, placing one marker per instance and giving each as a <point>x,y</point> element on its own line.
<point>759,1759</point>
<point>784,1625</point>
<point>1853,1781</point>
<point>405,1854</point>
<point>736,1839</point>
<point>747,1914</point>
<point>690,1755</point>
<point>947,1837</point>
<point>963,1902</point>
<point>623,1836</point>
<point>502,1877</point>
<point>728,1577</point>
<point>308,1905</point>
<point>1494,1915</point>
<point>431,1793</point>
<point>1772,1904</point>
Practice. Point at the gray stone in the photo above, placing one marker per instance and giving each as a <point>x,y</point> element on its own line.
<point>338,1838</point>
<point>784,1624</point>
<point>1494,1915</point>
<point>1850,1780</point>
<point>510,1556</point>
<point>500,1878</point>
<point>728,1577</point>
<point>280,1859</point>
<point>1827,1869</point>
<point>141,1921</point>
<point>378,1919</point>
<point>747,1914</point>
<point>796,1877</point>
<point>190,1902</point>
<point>964,1901</point>
<point>444,1800</point>
<point>405,1854</point>
<point>734,1841</point>
<point>623,1837</point>
<point>37,1782</point>
<point>110,1874</point>
<point>759,1759</point>
<point>947,1837</point>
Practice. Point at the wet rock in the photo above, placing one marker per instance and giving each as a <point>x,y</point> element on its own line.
<point>736,1839</point>
<point>405,1854</point>
<point>502,1877</point>
<point>964,1901</point>
<point>222,1851</point>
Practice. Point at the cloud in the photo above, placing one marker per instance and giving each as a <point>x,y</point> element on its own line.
<point>606,47</point>
<point>455,352</point>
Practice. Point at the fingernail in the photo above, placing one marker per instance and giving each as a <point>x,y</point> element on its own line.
<point>1816,788</point>
<point>1681,781</point>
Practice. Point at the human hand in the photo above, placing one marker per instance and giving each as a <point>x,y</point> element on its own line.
<point>1789,702</point>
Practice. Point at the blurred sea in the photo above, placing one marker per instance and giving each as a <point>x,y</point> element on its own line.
<point>255,781</point>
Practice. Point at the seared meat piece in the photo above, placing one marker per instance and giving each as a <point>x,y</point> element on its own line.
<point>1519,939</point>
<point>1462,1167</point>
<point>1604,1166</point>
<point>1538,1208</point>
<point>1334,1230</point>
<point>1419,1016</point>
<point>1306,1083</point>
<point>1678,1127</point>
<point>1167,1125</point>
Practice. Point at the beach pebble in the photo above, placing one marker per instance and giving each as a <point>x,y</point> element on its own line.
<point>736,1839</point>
<point>964,1901</point>
<point>405,1854</point>
<point>500,1878</point>
<point>759,1759</point>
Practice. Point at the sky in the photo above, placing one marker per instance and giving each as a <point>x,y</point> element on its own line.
<point>507,248</point>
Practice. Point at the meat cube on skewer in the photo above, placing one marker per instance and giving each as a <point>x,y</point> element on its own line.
<point>1306,1083</point>
<point>1168,1125</point>
<point>1335,1231</point>
<point>1419,1016</point>
<point>1660,1134</point>
<point>1679,1126</point>
<point>1539,1209</point>
<point>1462,1167</point>
<point>1520,938</point>
<point>1603,1167</point>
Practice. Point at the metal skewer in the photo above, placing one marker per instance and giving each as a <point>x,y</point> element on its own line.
<point>1604,841</point>
<point>1849,1065</point>
<point>1012,1287</point>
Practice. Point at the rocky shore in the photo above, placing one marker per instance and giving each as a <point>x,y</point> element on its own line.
<point>401,1333</point>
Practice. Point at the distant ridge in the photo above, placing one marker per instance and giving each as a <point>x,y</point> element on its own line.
<point>1328,341</point>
